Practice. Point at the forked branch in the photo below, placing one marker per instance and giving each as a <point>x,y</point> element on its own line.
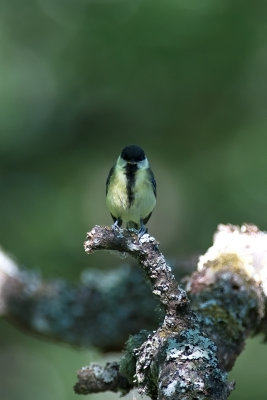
<point>181,359</point>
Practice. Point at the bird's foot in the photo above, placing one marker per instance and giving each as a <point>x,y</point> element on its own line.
<point>142,231</point>
<point>116,226</point>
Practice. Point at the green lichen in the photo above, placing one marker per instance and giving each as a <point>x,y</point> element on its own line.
<point>229,260</point>
<point>233,263</point>
<point>128,360</point>
<point>220,317</point>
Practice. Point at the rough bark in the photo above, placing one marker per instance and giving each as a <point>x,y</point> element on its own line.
<point>101,311</point>
<point>189,354</point>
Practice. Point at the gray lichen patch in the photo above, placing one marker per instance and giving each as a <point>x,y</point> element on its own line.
<point>191,345</point>
<point>191,368</point>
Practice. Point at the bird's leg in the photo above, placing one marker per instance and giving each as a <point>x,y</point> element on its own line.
<point>142,229</point>
<point>117,224</point>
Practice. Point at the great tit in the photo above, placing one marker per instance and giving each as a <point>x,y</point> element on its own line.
<point>131,190</point>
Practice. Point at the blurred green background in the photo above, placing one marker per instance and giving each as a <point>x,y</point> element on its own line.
<point>80,79</point>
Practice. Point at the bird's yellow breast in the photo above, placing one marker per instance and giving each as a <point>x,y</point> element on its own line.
<point>117,199</point>
<point>143,201</point>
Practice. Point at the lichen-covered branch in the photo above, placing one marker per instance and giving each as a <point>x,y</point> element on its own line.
<point>228,302</point>
<point>171,362</point>
<point>98,379</point>
<point>228,292</point>
<point>146,251</point>
<point>89,314</point>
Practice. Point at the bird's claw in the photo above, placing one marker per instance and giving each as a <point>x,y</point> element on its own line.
<point>115,227</point>
<point>142,231</point>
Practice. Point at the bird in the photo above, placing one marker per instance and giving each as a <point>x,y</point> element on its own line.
<point>131,190</point>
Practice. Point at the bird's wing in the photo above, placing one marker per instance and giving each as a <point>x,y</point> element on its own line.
<point>108,178</point>
<point>154,183</point>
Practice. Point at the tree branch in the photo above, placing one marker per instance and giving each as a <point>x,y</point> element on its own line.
<point>146,251</point>
<point>89,314</point>
<point>228,300</point>
<point>171,362</point>
<point>98,379</point>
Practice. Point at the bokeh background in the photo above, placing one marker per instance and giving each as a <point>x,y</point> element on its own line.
<point>80,79</point>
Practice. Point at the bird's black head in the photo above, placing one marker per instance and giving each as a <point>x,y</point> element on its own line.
<point>133,153</point>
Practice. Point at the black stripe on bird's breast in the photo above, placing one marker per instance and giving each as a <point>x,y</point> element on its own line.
<point>130,172</point>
